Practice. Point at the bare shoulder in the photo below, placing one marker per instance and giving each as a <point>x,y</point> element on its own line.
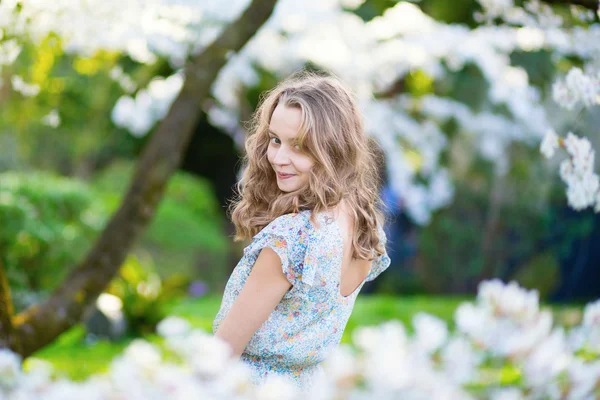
<point>344,219</point>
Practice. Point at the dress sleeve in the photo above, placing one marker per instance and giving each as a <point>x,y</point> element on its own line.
<point>381,262</point>
<point>290,237</point>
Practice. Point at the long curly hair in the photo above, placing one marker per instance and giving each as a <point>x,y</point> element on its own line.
<point>346,162</point>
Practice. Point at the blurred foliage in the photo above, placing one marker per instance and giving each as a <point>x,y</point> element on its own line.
<point>143,292</point>
<point>47,225</point>
<point>72,355</point>
<point>457,11</point>
<point>77,358</point>
<point>186,234</point>
<point>83,93</point>
<point>499,227</point>
<point>545,265</point>
<point>94,357</point>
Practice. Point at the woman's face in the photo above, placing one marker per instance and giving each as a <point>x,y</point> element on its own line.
<point>290,163</point>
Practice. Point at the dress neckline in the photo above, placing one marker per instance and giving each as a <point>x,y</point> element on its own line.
<point>329,220</point>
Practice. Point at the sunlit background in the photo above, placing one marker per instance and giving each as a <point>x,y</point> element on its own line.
<point>462,96</point>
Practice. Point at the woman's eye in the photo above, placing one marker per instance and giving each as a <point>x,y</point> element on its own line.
<point>297,147</point>
<point>273,137</point>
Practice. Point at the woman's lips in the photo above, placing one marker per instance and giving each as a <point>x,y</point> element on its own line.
<point>284,176</point>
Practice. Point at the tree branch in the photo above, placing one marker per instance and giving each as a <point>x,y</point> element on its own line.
<point>43,323</point>
<point>589,4</point>
<point>7,332</point>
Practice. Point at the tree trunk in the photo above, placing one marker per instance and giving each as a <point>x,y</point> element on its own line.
<point>490,231</point>
<point>43,323</point>
<point>589,4</point>
<point>7,330</point>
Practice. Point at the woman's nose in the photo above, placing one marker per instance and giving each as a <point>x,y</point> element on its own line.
<point>282,156</point>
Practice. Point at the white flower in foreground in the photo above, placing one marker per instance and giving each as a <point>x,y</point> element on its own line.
<point>366,338</point>
<point>507,394</point>
<point>68,390</point>
<point>591,314</point>
<point>388,363</point>
<point>508,299</point>
<point>175,382</point>
<point>39,373</point>
<point>10,368</point>
<point>143,355</point>
<point>506,319</point>
<point>584,378</point>
<point>132,380</point>
<point>549,144</point>
<point>430,332</point>
<point>460,360</point>
<point>173,326</point>
<point>207,355</point>
<point>236,378</point>
<point>591,326</point>
<point>547,360</point>
<point>277,387</point>
<point>341,365</point>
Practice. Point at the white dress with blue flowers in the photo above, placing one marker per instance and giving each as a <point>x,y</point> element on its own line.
<point>309,321</point>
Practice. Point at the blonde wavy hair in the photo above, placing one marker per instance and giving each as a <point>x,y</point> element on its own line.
<point>346,162</point>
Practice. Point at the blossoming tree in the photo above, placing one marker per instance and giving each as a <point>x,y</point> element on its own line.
<point>376,57</point>
<point>505,347</point>
<point>42,323</point>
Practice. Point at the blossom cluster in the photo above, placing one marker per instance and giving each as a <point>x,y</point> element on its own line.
<point>369,55</point>
<point>387,49</point>
<point>504,332</point>
<point>579,87</point>
<point>140,112</point>
<point>576,88</point>
<point>577,171</point>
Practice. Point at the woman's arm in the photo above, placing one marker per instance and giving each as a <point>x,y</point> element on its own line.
<point>265,287</point>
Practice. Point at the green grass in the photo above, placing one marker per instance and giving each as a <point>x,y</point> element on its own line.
<point>75,358</point>
<point>72,356</point>
<point>373,310</point>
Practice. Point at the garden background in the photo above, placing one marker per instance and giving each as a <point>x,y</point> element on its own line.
<point>105,105</point>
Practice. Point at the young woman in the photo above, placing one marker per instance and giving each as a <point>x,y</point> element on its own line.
<point>309,200</point>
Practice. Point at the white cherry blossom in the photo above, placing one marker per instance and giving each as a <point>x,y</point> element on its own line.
<point>383,362</point>
<point>550,144</point>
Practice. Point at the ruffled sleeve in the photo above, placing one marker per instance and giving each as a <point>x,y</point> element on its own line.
<point>290,236</point>
<point>381,262</point>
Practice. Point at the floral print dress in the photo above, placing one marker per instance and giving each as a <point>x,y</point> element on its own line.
<point>309,320</point>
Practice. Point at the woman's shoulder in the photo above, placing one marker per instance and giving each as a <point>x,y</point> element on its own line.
<point>301,218</point>
<point>295,219</point>
<point>296,225</point>
<point>287,224</point>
